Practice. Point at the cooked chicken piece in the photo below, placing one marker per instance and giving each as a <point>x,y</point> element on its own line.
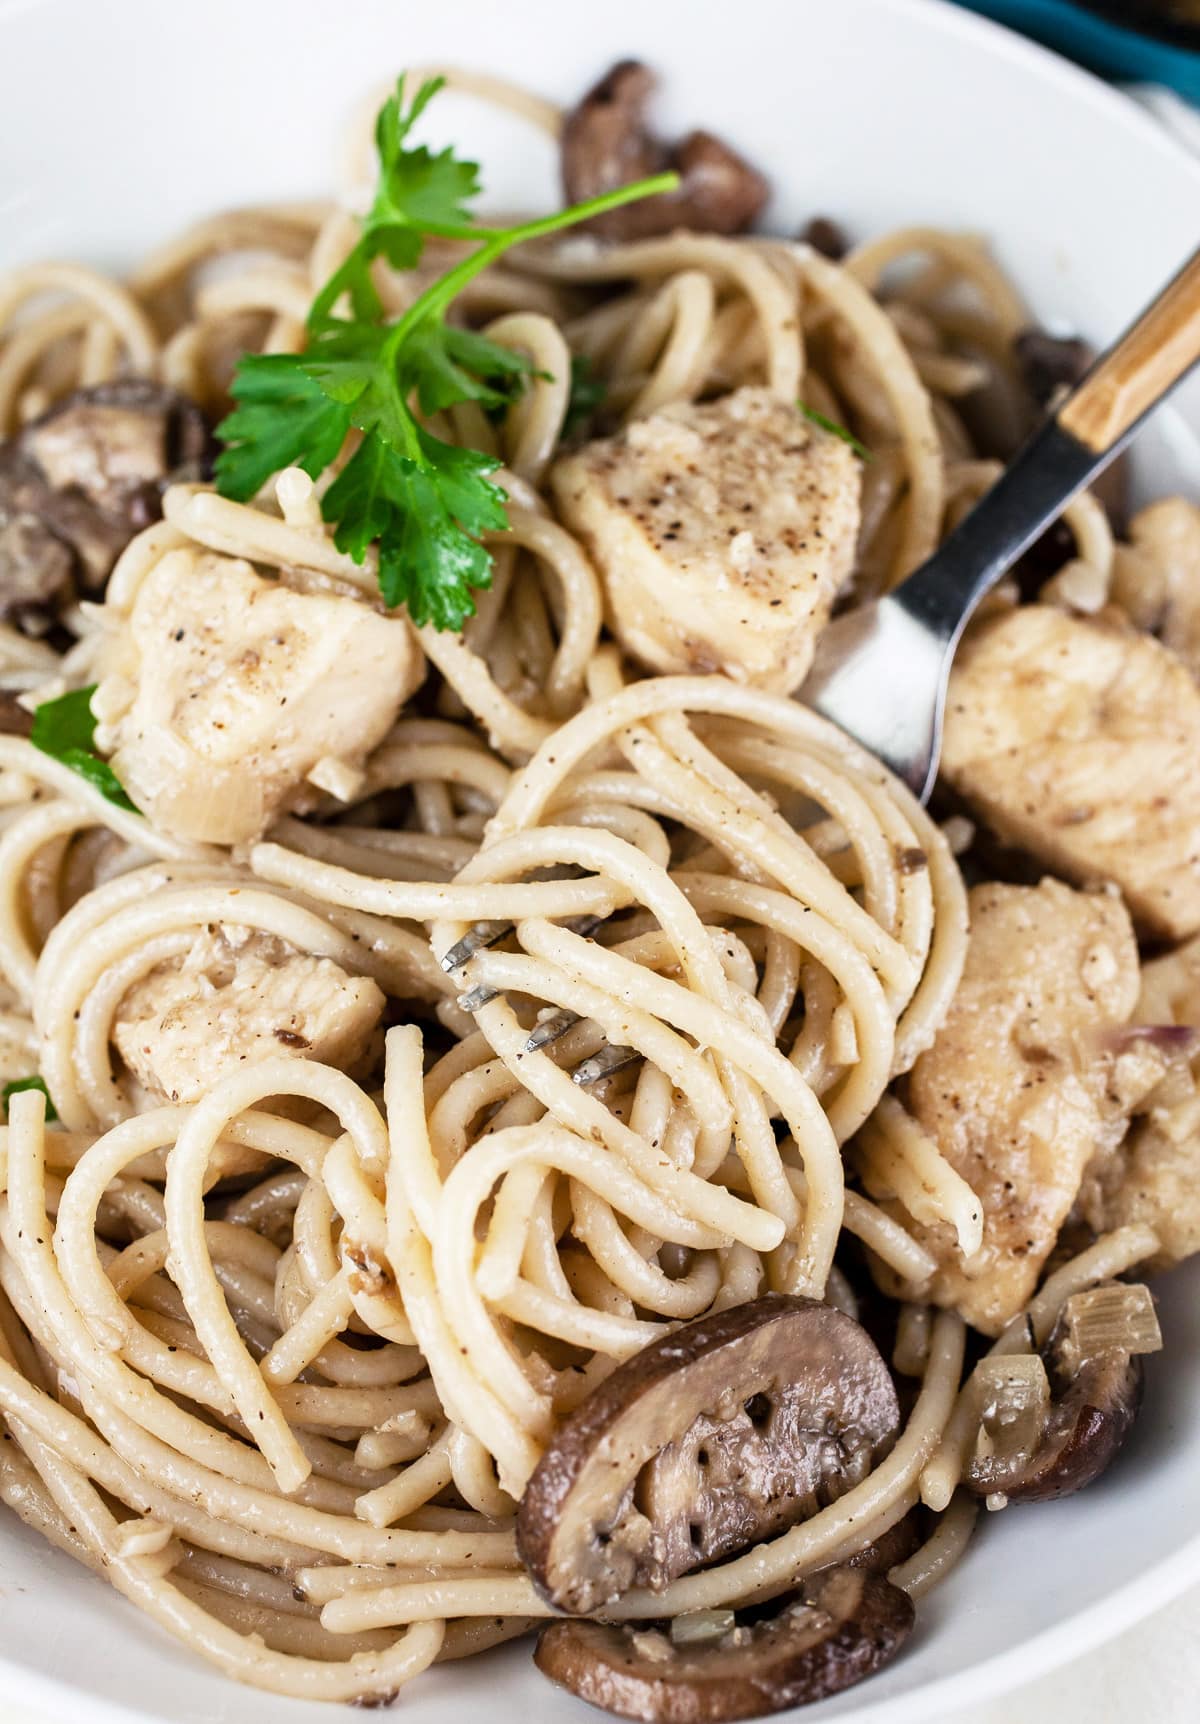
<point>1156,577</point>
<point>1023,1081</point>
<point>1078,740</point>
<point>1155,1179</point>
<point>228,689</point>
<point>240,996</point>
<point>1154,1175</point>
<point>722,534</point>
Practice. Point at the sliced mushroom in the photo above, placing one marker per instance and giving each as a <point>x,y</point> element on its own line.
<point>77,483</point>
<point>721,1434</point>
<point>1096,1380</point>
<point>36,569</point>
<point>1049,363</point>
<point>606,144</point>
<point>826,236</point>
<point>891,1548</point>
<point>838,1628</point>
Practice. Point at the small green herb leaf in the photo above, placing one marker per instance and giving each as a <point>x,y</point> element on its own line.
<point>65,730</point>
<point>836,430</point>
<point>23,1083</point>
<point>423,513</point>
<point>285,417</point>
<point>588,393</point>
<point>454,365</point>
<point>417,189</point>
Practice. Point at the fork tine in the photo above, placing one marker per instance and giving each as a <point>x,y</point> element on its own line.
<point>486,933</point>
<point>476,997</point>
<point>476,937</point>
<point>482,934</point>
<point>550,1029</point>
<point>603,1064</point>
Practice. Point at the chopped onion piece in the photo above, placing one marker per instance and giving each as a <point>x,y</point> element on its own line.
<point>697,1625</point>
<point>1012,1393</point>
<point>653,1646</point>
<point>1113,1318</point>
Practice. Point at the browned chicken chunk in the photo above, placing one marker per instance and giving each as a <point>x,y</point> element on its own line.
<point>1021,1083</point>
<point>1156,576</point>
<point>1153,1177</point>
<point>1078,740</point>
<point>722,534</point>
<point>238,997</point>
<point>225,692</point>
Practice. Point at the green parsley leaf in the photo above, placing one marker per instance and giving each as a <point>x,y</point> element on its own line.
<point>417,193</point>
<point>836,430</point>
<point>417,188</point>
<point>588,393</point>
<point>423,513</point>
<point>65,730</point>
<point>23,1083</point>
<point>453,364</point>
<point>285,417</point>
<point>421,501</point>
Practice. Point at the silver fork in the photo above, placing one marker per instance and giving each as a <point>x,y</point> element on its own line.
<point>880,672</point>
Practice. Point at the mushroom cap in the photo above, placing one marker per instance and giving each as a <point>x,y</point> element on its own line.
<point>79,481</point>
<point>723,1433</point>
<point>891,1548</point>
<point>606,143</point>
<point>838,1628</point>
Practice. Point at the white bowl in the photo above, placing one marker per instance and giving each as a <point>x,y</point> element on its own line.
<point>121,122</point>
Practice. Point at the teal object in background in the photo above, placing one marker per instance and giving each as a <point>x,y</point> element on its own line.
<point>1116,50</point>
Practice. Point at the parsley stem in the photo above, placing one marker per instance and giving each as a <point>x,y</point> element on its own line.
<point>496,241</point>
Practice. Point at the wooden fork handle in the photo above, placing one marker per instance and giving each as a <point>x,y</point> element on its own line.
<point>1149,359</point>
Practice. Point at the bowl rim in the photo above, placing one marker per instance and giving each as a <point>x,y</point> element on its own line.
<point>1000,38</point>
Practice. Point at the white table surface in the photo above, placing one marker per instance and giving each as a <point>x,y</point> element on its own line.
<point>1149,1675</point>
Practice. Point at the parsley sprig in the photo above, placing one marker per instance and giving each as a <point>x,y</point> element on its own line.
<point>422,501</point>
<point>65,729</point>
<point>835,430</point>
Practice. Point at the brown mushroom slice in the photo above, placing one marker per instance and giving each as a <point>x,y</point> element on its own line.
<point>36,567</point>
<point>839,1627</point>
<point>106,454</point>
<point>891,1548</point>
<point>826,236</point>
<point>1049,363</point>
<point>1095,1378</point>
<point>606,143</point>
<point>78,482</point>
<point>723,1433</point>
